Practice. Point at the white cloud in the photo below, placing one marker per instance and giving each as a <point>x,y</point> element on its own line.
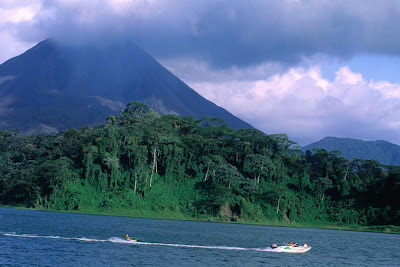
<point>345,76</point>
<point>10,46</point>
<point>17,14</point>
<point>308,107</point>
<point>12,13</point>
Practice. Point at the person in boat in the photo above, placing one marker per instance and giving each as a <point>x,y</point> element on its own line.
<point>128,237</point>
<point>305,244</point>
<point>291,244</point>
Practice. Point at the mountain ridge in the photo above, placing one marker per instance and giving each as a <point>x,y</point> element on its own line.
<point>380,150</point>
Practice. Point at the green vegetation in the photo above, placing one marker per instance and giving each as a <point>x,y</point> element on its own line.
<point>382,151</point>
<point>142,164</point>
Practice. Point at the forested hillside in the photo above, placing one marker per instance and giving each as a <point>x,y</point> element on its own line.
<point>141,161</point>
<point>382,151</point>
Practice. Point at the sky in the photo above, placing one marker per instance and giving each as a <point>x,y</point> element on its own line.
<point>309,69</point>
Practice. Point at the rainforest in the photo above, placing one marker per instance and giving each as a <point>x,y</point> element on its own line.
<point>140,163</point>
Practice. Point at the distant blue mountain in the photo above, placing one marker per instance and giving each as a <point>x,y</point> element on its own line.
<point>382,151</point>
<point>54,86</point>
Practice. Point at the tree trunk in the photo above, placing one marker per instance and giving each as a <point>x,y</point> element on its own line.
<point>154,166</point>
<point>259,174</point>
<point>151,178</point>
<point>205,177</point>
<point>347,171</point>
<point>134,189</point>
<point>155,161</point>
<point>277,208</point>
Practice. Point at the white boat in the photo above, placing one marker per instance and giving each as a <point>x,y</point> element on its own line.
<point>292,249</point>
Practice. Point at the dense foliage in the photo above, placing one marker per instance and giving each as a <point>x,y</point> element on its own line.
<point>382,151</point>
<point>141,161</point>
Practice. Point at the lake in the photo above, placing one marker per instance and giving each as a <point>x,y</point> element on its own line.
<point>40,238</point>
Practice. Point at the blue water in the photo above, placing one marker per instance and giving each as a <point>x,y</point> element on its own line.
<point>38,238</point>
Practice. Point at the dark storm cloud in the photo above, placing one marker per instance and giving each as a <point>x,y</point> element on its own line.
<point>227,33</point>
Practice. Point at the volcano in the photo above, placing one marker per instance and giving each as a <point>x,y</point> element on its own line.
<point>55,86</point>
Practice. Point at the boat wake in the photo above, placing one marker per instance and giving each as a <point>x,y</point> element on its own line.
<point>54,237</point>
<point>123,241</point>
<point>120,240</point>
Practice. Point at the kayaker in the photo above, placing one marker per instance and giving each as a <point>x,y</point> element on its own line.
<point>128,237</point>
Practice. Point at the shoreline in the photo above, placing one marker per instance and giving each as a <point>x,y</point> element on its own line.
<point>386,229</point>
